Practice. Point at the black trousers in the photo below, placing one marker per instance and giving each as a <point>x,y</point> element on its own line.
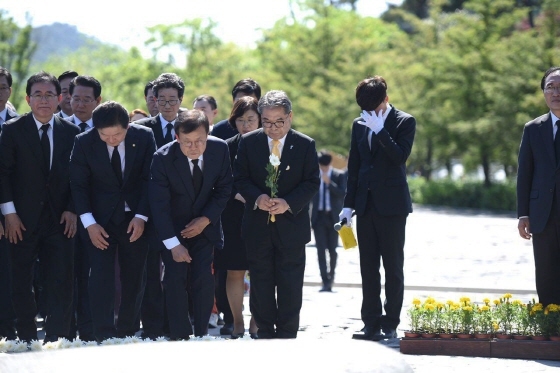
<point>326,239</point>
<point>152,311</point>
<point>546,250</point>
<point>276,284</point>
<point>7,314</point>
<point>56,254</point>
<point>81,311</point>
<point>202,287</point>
<point>132,259</point>
<point>222,302</point>
<point>381,237</point>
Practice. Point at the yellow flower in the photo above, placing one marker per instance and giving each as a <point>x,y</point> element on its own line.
<point>416,301</point>
<point>485,308</point>
<point>486,301</point>
<point>450,302</point>
<point>553,307</point>
<point>495,325</point>
<point>429,307</point>
<point>430,300</point>
<point>465,299</point>
<point>440,305</point>
<point>517,302</point>
<point>497,301</point>
<point>467,308</point>
<point>537,307</point>
<point>507,296</point>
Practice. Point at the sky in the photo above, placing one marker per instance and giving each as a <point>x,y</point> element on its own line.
<point>124,23</point>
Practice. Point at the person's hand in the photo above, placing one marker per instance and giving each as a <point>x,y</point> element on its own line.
<point>346,213</point>
<point>325,177</point>
<point>70,221</point>
<point>279,206</point>
<point>14,228</point>
<point>98,236</point>
<point>136,226</point>
<point>195,227</point>
<point>373,121</point>
<point>181,254</point>
<point>239,197</point>
<point>1,230</point>
<point>524,228</point>
<point>264,203</point>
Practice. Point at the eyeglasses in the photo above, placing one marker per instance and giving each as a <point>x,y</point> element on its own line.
<point>552,89</point>
<point>277,124</point>
<point>4,89</point>
<point>248,122</point>
<point>82,101</point>
<point>164,102</point>
<point>190,144</point>
<point>47,97</point>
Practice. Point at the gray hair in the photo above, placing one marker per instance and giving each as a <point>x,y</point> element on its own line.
<point>275,99</point>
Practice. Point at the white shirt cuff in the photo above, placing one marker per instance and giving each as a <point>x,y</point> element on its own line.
<point>8,208</point>
<point>87,219</point>
<point>145,218</point>
<point>171,243</point>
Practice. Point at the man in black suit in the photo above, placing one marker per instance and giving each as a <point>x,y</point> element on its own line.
<point>324,215</point>
<point>85,96</point>
<point>151,103</point>
<point>190,185</point>
<point>168,91</point>
<point>276,227</point>
<point>378,192</point>
<point>36,203</point>
<point>65,107</point>
<point>7,316</point>
<point>538,190</point>
<point>109,173</point>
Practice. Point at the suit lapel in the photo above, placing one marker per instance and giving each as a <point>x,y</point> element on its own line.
<point>158,131</point>
<point>130,150</point>
<point>183,168</point>
<point>545,130</point>
<point>288,153</point>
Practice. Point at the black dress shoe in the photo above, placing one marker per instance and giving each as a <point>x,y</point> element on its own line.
<point>50,338</point>
<point>237,335</point>
<point>326,288</point>
<point>389,333</point>
<point>265,335</point>
<point>227,329</point>
<point>368,334</point>
<point>254,335</point>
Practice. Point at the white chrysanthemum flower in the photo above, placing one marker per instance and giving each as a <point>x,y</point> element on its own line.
<point>274,160</point>
<point>3,345</point>
<point>20,347</point>
<point>36,345</point>
<point>9,346</point>
<point>135,339</point>
<point>64,343</point>
<point>77,343</point>
<point>118,341</point>
<point>126,341</point>
<point>108,342</point>
<point>161,339</point>
<point>50,346</point>
<point>90,343</point>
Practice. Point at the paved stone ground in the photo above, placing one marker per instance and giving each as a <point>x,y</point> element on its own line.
<point>448,254</point>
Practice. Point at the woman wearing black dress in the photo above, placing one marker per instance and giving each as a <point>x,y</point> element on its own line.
<point>245,117</point>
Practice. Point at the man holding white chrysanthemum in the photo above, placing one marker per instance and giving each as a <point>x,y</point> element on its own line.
<point>276,223</point>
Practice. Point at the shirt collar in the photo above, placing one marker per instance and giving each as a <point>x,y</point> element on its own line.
<point>165,121</point>
<point>554,118</point>
<point>3,113</point>
<point>39,124</point>
<point>282,140</point>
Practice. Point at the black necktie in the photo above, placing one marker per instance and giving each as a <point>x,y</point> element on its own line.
<point>46,147</point>
<point>557,142</point>
<point>324,196</point>
<point>83,127</point>
<point>197,177</point>
<point>116,163</point>
<point>168,137</point>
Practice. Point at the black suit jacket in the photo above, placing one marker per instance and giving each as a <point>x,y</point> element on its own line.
<point>337,188</point>
<point>23,177</point>
<point>383,168</point>
<point>155,124</point>
<point>171,191</point>
<point>536,173</point>
<point>223,130</point>
<point>298,182</point>
<point>95,187</point>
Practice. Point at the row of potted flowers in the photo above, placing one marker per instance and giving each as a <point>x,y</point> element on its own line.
<point>503,317</point>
